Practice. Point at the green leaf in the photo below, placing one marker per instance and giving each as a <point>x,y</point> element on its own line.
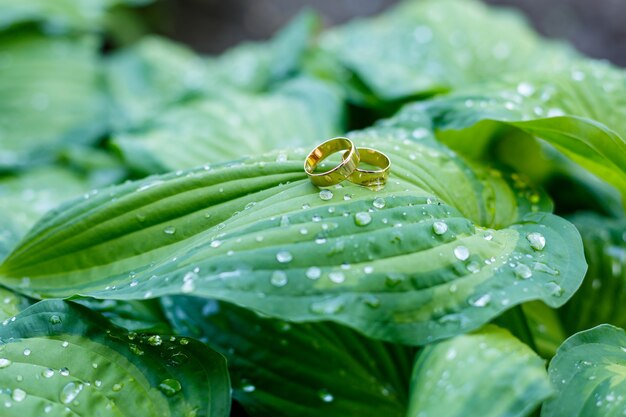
<point>257,66</point>
<point>57,354</point>
<point>580,112</point>
<point>602,296</point>
<point>11,303</point>
<point>147,77</point>
<point>425,47</point>
<point>488,373</point>
<point>135,315</point>
<point>51,96</point>
<point>589,375</point>
<point>413,263</point>
<point>28,196</point>
<point>289,369</point>
<point>225,126</point>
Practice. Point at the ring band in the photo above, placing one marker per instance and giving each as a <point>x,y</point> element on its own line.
<point>368,177</point>
<point>348,165</point>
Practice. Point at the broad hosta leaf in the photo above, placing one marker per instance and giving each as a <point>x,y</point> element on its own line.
<point>149,76</point>
<point>11,303</point>
<point>256,66</point>
<point>289,369</point>
<point>58,356</point>
<point>512,378</point>
<point>50,95</point>
<point>424,47</point>
<point>136,315</point>
<point>602,296</point>
<point>412,263</point>
<point>580,112</point>
<point>226,126</point>
<point>589,374</point>
<point>25,198</point>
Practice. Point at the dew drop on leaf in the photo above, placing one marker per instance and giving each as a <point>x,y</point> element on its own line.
<point>70,391</point>
<point>313,273</point>
<point>537,241</point>
<point>325,396</point>
<point>155,340</point>
<point>284,257</point>
<point>523,271</point>
<point>473,267</point>
<point>481,301</point>
<point>326,195</point>
<point>170,387</point>
<point>64,371</point>
<point>328,306</point>
<point>27,352</point>
<point>439,228</point>
<point>461,253</point>
<point>47,373</point>
<point>279,279</point>
<point>248,388</point>
<point>169,230</point>
<point>117,387</point>
<point>362,218</point>
<point>379,203</point>
<point>4,362</point>
<point>18,395</point>
<point>337,277</point>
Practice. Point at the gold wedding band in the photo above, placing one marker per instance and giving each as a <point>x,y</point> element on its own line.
<point>371,177</point>
<point>348,165</point>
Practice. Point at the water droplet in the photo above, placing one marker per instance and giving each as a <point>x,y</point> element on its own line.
<point>328,306</point>
<point>216,243</point>
<point>135,349</point>
<point>461,253</point>
<point>555,289</point>
<point>155,340</point>
<point>439,228</point>
<point>64,371</point>
<point>188,287</point>
<point>248,388</point>
<point>347,197</point>
<point>97,383</point>
<point>117,387</point>
<point>18,395</point>
<point>27,352</point>
<point>368,269</point>
<point>326,195</point>
<point>362,218</point>
<point>279,278</point>
<point>337,277</point>
<point>523,271</point>
<point>54,319</point>
<point>379,203</point>
<point>481,301</point>
<point>537,241</point>
<point>313,272</point>
<point>473,267</point>
<point>70,391</point>
<point>325,396</point>
<point>170,387</point>
<point>284,257</point>
<point>451,354</point>
<point>169,230</point>
<point>371,300</point>
<point>4,362</point>
<point>184,341</point>
<point>47,373</point>
<point>525,89</point>
<point>65,344</point>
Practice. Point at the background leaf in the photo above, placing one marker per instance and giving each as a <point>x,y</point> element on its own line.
<point>512,382</point>
<point>57,355</point>
<point>276,365</point>
<point>589,375</point>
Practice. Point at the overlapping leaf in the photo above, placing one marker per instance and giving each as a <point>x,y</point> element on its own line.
<point>580,112</point>
<point>222,127</point>
<point>513,380</point>
<point>413,263</point>
<point>58,356</point>
<point>602,296</point>
<point>424,47</point>
<point>275,365</point>
<point>51,96</point>
<point>589,375</point>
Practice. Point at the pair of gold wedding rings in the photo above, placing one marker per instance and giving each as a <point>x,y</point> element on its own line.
<point>348,168</point>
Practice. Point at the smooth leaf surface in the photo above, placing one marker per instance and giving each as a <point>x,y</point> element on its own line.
<point>425,47</point>
<point>276,366</point>
<point>580,112</point>
<point>512,378</point>
<point>589,375</point>
<point>226,126</point>
<point>602,296</point>
<point>412,263</point>
<point>51,96</point>
<point>58,356</point>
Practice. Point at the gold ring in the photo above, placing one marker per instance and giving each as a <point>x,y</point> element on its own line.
<point>371,177</point>
<point>339,173</point>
